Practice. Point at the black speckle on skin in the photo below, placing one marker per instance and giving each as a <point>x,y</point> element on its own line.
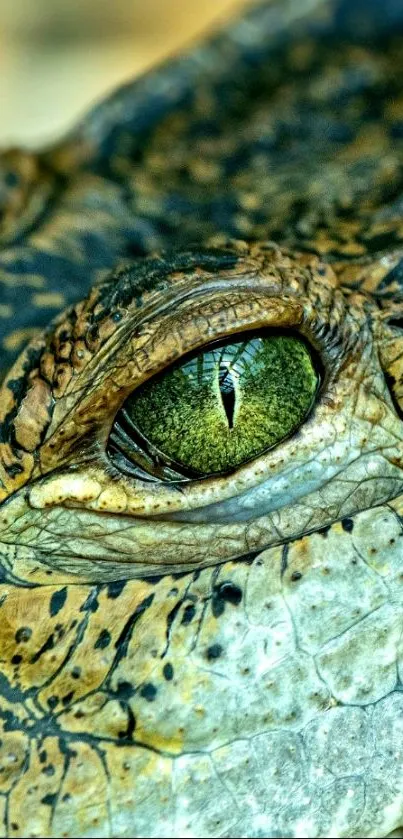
<point>49,799</point>
<point>168,671</point>
<point>57,601</point>
<point>93,332</point>
<point>103,640</point>
<point>323,531</point>
<point>131,725</point>
<point>169,622</point>
<point>393,278</point>
<point>380,242</point>
<point>43,756</point>
<point>48,770</point>
<point>16,659</point>
<point>152,579</point>
<point>229,592</point>
<point>65,748</point>
<point>347,525</point>
<point>115,589</point>
<point>284,559</point>
<point>148,692</point>
<point>296,575</point>
<point>122,643</point>
<point>48,645</point>
<point>391,383</point>
<point>214,652</point>
<point>125,690</point>
<point>91,604</point>
<point>217,605</point>
<point>188,614</point>
<point>52,702</point>
<point>60,631</point>
<point>67,698</point>
<point>76,673</point>
<point>224,593</point>
<point>14,469</point>
<point>23,634</point>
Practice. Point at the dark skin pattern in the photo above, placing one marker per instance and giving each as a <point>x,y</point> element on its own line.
<point>294,134</point>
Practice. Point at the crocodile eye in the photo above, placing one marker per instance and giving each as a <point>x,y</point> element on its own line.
<point>218,409</point>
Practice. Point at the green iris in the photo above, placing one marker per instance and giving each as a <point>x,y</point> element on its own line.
<point>228,404</point>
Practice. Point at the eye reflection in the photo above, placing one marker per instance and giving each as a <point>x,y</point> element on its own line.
<point>227,385</point>
<point>229,363</point>
<point>222,407</point>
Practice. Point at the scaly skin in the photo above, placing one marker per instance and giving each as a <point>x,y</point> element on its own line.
<point>224,659</point>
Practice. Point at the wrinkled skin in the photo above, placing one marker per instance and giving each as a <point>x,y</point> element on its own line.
<point>225,658</point>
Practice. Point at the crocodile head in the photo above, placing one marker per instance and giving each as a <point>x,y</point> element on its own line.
<point>205,652</point>
<point>91,493</point>
<point>201,579</point>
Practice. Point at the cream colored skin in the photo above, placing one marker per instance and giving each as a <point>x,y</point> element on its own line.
<point>283,716</point>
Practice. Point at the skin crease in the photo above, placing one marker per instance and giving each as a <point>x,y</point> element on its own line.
<point>224,657</point>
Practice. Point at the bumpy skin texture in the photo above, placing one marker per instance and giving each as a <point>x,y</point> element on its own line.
<point>222,659</point>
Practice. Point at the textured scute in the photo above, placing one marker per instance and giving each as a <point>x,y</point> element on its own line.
<point>206,705</point>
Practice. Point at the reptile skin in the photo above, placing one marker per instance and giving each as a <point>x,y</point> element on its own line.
<point>224,659</point>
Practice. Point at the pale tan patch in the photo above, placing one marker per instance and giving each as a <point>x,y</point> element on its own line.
<point>17,339</point>
<point>49,299</point>
<point>20,280</point>
<point>77,488</point>
<point>33,415</point>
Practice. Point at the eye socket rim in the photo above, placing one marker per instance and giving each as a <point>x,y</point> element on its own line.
<point>168,472</point>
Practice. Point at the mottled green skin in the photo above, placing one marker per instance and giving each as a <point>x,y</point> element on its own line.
<point>183,415</point>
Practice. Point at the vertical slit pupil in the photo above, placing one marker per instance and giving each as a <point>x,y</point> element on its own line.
<point>227,391</point>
